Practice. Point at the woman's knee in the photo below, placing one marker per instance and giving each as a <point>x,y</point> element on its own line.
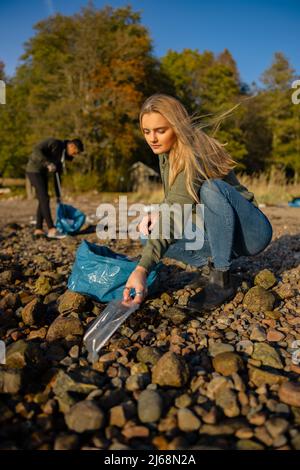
<point>255,245</point>
<point>210,189</point>
<point>265,236</point>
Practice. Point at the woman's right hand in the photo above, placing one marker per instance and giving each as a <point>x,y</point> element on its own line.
<point>147,223</point>
<point>138,282</point>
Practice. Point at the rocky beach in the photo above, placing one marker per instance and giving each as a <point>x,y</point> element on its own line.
<point>228,379</point>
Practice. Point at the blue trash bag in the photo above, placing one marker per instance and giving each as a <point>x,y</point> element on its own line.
<point>102,274</point>
<point>69,219</point>
<point>295,202</point>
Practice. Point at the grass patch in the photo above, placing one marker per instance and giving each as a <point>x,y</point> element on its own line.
<point>270,188</point>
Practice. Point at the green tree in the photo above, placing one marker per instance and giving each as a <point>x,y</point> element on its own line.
<point>87,76</point>
<point>257,135</point>
<point>13,129</point>
<point>282,115</point>
<point>209,86</point>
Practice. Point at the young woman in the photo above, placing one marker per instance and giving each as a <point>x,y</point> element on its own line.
<point>195,168</point>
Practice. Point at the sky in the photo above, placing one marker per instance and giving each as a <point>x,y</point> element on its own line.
<point>252,30</point>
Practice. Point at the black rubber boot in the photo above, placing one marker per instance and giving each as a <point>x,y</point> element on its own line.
<point>201,278</point>
<point>219,289</point>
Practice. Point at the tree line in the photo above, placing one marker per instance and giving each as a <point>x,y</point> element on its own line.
<point>87,75</point>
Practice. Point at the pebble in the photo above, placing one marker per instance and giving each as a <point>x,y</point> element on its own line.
<point>267,355</point>
<point>274,335</point>
<point>218,348</point>
<point>261,377</point>
<point>150,406</point>
<point>170,370</point>
<point>84,416</point>
<point>245,346</point>
<point>187,420</point>
<point>257,299</point>
<point>63,327</point>
<point>72,302</point>
<point>227,363</point>
<point>258,333</point>
<point>227,400</point>
<point>289,393</point>
<point>265,279</point>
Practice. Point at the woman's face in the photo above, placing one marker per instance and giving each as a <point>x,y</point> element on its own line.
<point>158,132</point>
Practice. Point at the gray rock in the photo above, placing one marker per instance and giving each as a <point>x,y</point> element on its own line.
<point>43,285</point>
<point>187,420</point>
<point>227,363</point>
<point>245,346</point>
<point>258,333</point>
<point>183,401</point>
<point>72,302</point>
<point>227,400</point>
<point>81,381</point>
<point>65,402</point>
<point>150,406</point>
<point>262,377</point>
<point>265,279</point>
<point>216,384</point>
<point>10,380</point>
<point>9,277</point>
<point>135,382</point>
<point>24,353</point>
<point>121,413</point>
<point>219,348</point>
<point>51,298</point>
<point>33,313</point>
<point>267,355</point>
<point>258,300</point>
<point>63,327</point>
<point>148,355</point>
<point>176,315</point>
<point>285,291</point>
<point>84,416</point>
<point>171,370</point>
<point>74,352</point>
<point>217,429</point>
<point>10,301</point>
<point>289,393</point>
<point>276,426</point>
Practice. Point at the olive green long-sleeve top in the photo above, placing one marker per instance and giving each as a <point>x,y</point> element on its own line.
<point>155,248</point>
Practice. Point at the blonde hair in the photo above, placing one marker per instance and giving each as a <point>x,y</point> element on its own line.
<point>200,156</point>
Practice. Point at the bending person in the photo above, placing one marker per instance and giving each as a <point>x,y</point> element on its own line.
<point>49,157</point>
<point>195,168</point>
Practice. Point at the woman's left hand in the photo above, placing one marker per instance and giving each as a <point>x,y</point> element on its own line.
<point>137,281</point>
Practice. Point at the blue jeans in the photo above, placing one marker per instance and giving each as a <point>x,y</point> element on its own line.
<point>233,227</point>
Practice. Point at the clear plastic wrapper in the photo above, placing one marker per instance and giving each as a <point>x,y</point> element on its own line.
<point>105,325</point>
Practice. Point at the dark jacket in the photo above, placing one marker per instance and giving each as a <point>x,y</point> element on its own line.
<point>178,193</point>
<point>48,151</point>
